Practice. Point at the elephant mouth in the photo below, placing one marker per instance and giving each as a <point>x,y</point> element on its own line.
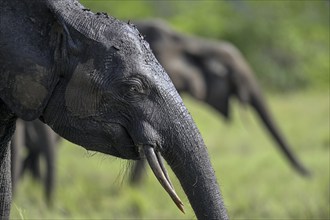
<point>155,161</point>
<point>156,164</point>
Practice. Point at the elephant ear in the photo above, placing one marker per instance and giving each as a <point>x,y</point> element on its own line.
<point>27,59</point>
<point>34,54</point>
<point>241,76</point>
<point>219,87</point>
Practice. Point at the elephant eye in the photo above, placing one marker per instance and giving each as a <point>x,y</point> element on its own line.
<point>135,85</point>
<point>135,90</point>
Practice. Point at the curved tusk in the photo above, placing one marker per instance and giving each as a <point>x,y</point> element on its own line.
<point>160,172</point>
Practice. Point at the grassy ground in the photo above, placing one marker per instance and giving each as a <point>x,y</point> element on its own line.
<point>256,181</point>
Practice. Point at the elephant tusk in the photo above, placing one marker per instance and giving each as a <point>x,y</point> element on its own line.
<point>157,166</point>
<point>162,166</point>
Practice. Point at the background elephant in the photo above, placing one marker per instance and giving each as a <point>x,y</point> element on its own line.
<point>212,72</point>
<point>38,143</point>
<point>94,80</point>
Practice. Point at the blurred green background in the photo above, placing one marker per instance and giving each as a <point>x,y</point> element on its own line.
<point>286,42</point>
<point>287,45</point>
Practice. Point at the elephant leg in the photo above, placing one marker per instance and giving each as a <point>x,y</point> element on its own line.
<point>15,165</point>
<point>36,169</point>
<point>34,165</point>
<point>50,175</point>
<point>7,128</point>
<point>31,164</point>
<point>137,172</point>
<point>5,183</point>
<point>17,144</point>
<point>33,142</point>
<point>44,145</point>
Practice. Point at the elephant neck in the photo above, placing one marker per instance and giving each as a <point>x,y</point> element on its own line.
<point>7,128</point>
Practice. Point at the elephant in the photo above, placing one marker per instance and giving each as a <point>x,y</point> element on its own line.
<point>40,142</point>
<point>212,72</point>
<point>95,81</point>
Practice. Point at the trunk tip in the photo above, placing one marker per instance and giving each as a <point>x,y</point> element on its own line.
<point>304,172</point>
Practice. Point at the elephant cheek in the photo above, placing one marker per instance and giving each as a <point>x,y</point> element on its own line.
<point>146,134</point>
<point>121,142</point>
<point>82,96</point>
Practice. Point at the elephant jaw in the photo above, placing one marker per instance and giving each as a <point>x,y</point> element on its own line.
<point>155,161</point>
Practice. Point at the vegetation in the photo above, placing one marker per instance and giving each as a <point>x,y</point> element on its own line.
<point>286,42</point>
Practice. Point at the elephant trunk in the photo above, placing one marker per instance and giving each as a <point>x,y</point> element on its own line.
<point>185,152</point>
<point>259,105</point>
<point>191,165</point>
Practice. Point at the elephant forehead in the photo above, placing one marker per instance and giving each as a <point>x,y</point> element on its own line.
<point>82,95</point>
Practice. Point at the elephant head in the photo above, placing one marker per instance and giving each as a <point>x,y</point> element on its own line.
<point>94,80</point>
<point>213,72</point>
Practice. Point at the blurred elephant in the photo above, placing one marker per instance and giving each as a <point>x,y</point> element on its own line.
<point>210,71</point>
<point>40,142</point>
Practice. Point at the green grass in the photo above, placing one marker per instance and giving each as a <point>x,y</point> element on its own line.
<point>255,179</point>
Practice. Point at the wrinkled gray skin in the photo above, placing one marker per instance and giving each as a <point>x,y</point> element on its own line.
<point>7,128</point>
<point>212,72</point>
<point>94,81</point>
<point>40,142</point>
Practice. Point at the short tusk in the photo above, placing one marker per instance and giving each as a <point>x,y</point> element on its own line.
<point>160,172</point>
